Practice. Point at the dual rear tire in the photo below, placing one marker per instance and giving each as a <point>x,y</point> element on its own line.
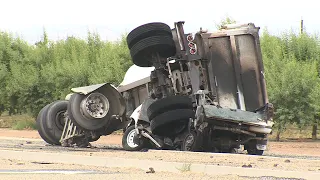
<point>170,116</point>
<point>50,121</point>
<point>149,40</point>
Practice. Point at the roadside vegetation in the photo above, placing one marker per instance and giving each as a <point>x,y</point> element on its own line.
<point>292,74</point>
<point>17,122</point>
<point>32,76</point>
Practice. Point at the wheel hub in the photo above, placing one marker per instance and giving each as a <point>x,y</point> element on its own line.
<point>96,105</point>
<point>60,120</point>
<point>130,139</point>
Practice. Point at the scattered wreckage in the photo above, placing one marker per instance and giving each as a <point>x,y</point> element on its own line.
<point>201,92</point>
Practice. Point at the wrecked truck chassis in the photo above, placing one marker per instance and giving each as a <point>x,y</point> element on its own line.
<point>220,73</point>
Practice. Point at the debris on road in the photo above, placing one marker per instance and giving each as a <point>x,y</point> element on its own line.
<point>151,170</point>
<point>247,166</point>
<point>35,162</point>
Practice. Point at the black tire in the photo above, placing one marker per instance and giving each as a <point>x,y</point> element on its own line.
<point>188,143</point>
<point>40,122</point>
<point>80,120</point>
<point>142,51</point>
<point>169,103</point>
<point>252,148</point>
<point>171,123</point>
<point>129,146</point>
<point>254,151</point>
<point>147,30</point>
<point>55,120</point>
<point>92,139</point>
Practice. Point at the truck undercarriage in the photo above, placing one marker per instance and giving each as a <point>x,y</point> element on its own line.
<point>202,92</point>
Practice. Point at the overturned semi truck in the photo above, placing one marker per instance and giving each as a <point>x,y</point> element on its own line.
<point>201,92</point>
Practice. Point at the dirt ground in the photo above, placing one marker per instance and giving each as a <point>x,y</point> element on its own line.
<point>280,148</point>
<point>17,170</point>
<point>286,157</point>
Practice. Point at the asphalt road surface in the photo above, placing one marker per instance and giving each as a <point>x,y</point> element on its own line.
<point>32,158</point>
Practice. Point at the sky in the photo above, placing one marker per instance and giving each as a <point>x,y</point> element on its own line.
<point>112,18</point>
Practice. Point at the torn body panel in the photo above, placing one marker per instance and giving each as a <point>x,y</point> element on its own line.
<point>256,119</point>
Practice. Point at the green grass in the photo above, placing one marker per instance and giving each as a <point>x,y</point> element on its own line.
<point>17,122</point>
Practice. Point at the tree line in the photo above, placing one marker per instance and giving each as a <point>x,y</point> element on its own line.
<point>32,76</point>
<point>292,75</point>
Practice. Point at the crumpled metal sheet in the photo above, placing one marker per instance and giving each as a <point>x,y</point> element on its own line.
<point>87,89</point>
<point>236,115</point>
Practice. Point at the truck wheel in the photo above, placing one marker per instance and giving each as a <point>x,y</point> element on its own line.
<point>93,139</point>
<point>171,123</point>
<point>89,112</point>
<point>40,123</point>
<point>251,148</point>
<point>129,142</point>
<point>142,51</point>
<point>188,142</point>
<point>55,120</point>
<point>169,103</point>
<point>147,30</point>
<point>255,152</point>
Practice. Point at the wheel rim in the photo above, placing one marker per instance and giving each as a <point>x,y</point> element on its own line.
<point>60,120</point>
<point>95,105</point>
<point>130,138</point>
<point>189,142</point>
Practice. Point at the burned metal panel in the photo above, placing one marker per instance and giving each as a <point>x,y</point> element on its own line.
<point>143,93</point>
<point>221,71</point>
<point>129,100</point>
<point>246,117</point>
<point>235,68</point>
<point>250,72</point>
<point>134,97</point>
<point>135,94</point>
